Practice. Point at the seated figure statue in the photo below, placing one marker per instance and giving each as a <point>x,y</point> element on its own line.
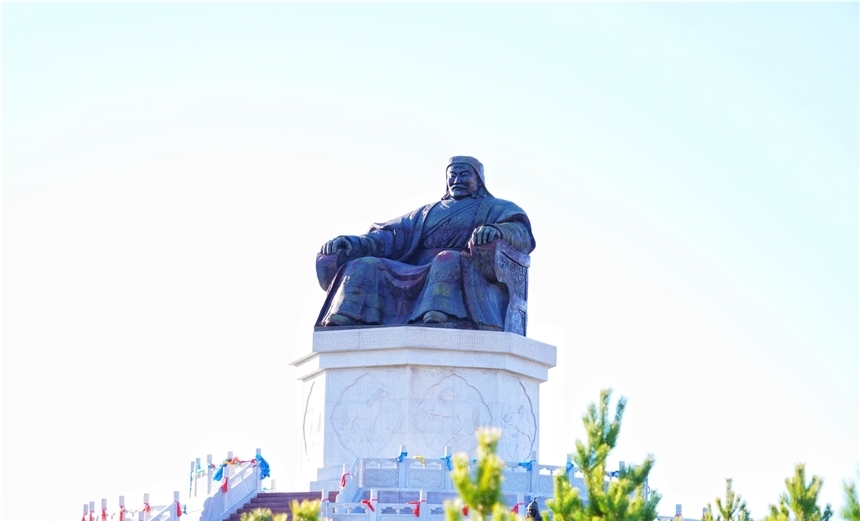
<point>460,262</point>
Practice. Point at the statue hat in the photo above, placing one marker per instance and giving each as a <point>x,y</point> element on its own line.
<point>471,161</point>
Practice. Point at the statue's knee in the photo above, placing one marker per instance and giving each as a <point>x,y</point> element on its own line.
<point>361,264</point>
<point>448,256</point>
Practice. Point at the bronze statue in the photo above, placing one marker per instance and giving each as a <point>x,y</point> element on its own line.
<point>460,262</point>
<point>532,512</point>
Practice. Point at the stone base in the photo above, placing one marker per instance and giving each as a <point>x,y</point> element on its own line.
<point>369,391</point>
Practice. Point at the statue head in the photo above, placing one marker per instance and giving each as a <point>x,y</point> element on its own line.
<point>464,177</point>
<point>532,511</point>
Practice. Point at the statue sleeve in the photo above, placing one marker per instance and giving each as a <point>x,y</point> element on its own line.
<point>517,234</point>
<point>513,224</point>
<point>392,239</point>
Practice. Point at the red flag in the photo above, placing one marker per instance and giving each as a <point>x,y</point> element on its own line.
<point>516,509</point>
<point>417,509</point>
<point>368,505</point>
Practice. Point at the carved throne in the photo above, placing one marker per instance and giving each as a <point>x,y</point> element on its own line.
<point>500,263</point>
<point>497,262</point>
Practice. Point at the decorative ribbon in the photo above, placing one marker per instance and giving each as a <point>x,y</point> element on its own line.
<point>447,461</point>
<point>224,485</point>
<point>91,515</point>
<point>343,479</point>
<point>417,509</point>
<point>264,466</point>
<point>465,510</point>
<point>258,460</point>
<point>568,466</point>
<point>185,509</point>
<point>526,465</point>
<point>420,458</point>
<point>104,513</point>
<point>368,504</point>
<point>401,456</point>
<point>121,512</point>
<point>613,474</point>
<point>516,509</point>
<point>146,508</point>
<point>178,509</point>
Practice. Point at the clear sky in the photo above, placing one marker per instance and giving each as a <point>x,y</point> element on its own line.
<point>170,170</point>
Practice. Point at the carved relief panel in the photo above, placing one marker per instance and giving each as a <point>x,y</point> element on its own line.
<point>449,413</point>
<point>519,425</point>
<point>366,416</point>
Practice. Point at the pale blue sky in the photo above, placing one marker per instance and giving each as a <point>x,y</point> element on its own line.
<point>169,170</point>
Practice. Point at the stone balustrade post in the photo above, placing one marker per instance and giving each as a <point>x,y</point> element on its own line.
<point>374,501</point>
<point>197,476</point>
<point>259,482</point>
<point>572,472</point>
<point>424,511</point>
<point>401,467</point>
<point>446,474</point>
<point>208,474</point>
<point>226,477</point>
<point>192,482</point>
<point>534,473</point>
<point>324,503</point>
<point>174,515</point>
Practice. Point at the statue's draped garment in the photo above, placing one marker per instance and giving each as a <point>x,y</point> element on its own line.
<point>419,262</point>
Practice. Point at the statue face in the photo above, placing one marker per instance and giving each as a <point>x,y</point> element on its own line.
<point>463,181</point>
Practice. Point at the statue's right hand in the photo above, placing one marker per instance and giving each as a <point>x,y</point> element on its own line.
<point>337,245</point>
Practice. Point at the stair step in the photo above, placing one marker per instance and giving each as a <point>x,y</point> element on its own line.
<point>277,502</point>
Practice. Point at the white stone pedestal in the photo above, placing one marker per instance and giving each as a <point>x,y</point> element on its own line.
<point>368,391</point>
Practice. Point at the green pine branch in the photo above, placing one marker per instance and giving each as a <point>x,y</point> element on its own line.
<point>623,499</point>
<point>263,514</point>
<point>731,508</point>
<point>799,502</point>
<point>851,510</point>
<point>480,489</point>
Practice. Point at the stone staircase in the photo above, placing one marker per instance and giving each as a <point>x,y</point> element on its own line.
<point>277,502</point>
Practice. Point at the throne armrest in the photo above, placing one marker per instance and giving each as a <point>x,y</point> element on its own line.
<point>498,262</point>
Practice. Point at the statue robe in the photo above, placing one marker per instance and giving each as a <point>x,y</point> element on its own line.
<point>405,267</point>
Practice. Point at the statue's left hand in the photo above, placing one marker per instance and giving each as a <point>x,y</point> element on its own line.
<point>484,235</point>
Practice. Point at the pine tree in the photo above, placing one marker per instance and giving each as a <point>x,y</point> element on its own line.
<point>481,494</point>
<point>305,511</point>
<point>622,499</point>
<point>734,508</point>
<point>851,510</point>
<point>263,514</point>
<point>800,501</point>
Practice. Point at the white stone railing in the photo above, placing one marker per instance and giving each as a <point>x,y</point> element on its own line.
<point>207,500</point>
<point>146,512</point>
<point>388,489</point>
<point>418,473</point>
<point>239,482</point>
